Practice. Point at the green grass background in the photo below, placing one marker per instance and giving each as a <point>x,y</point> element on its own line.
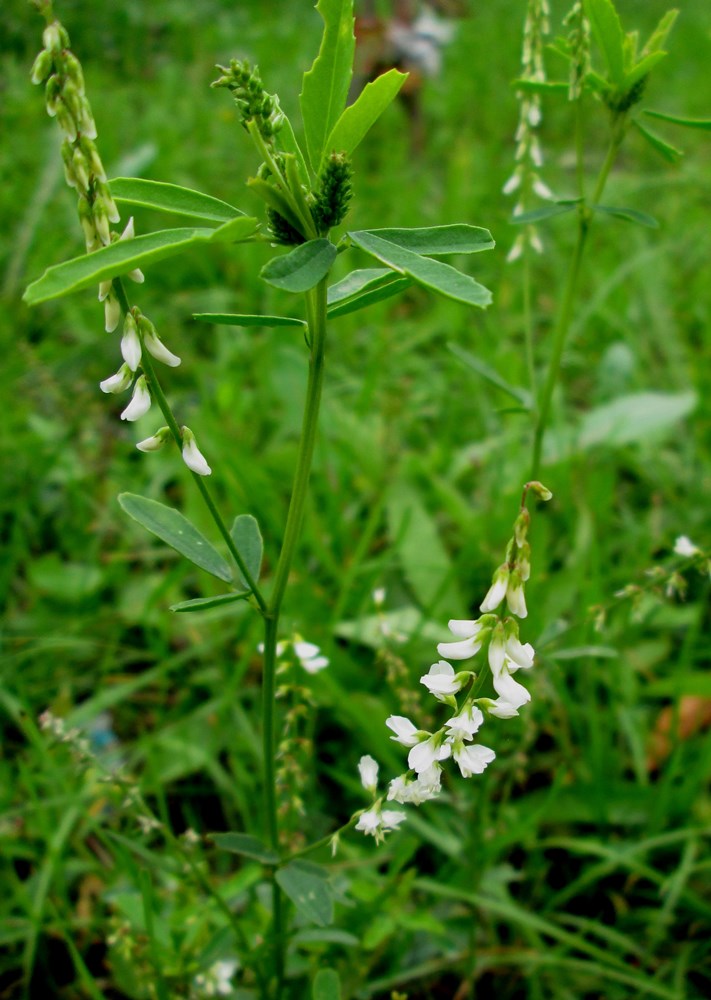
<point>568,870</point>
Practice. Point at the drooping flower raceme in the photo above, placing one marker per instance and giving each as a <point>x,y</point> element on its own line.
<point>496,635</point>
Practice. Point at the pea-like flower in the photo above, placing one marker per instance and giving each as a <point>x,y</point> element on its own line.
<point>423,787</point>
<point>442,681</point>
<point>140,401</point>
<point>472,636</point>
<point>192,456</point>
<point>405,731</point>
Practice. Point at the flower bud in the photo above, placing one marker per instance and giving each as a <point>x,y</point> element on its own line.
<point>87,222</point>
<point>118,382</point>
<point>130,343</point>
<point>159,351</point>
<point>515,597</point>
<point>101,222</point>
<point>72,67</point>
<point>523,561</point>
<point>156,442</point>
<point>42,66</point>
<point>192,456</point>
<point>65,120</point>
<point>52,38</point>
<point>140,401</point>
<point>68,161</point>
<point>90,151</point>
<point>521,525</point>
<point>541,491</point>
<point>52,95</point>
<point>497,590</point>
<point>112,312</point>
<point>80,166</point>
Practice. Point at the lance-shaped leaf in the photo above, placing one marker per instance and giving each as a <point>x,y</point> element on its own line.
<point>325,86</point>
<point>642,68</point>
<point>327,985</point>
<point>431,274</point>
<point>665,149</point>
<point>125,255</point>
<point>439,240</point>
<point>362,288</point>
<point>701,123</point>
<point>609,36</point>
<point>301,269</point>
<point>206,603</point>
<point>175,530</point>
<point>248,541</point>
<point>522,396</point>
<point>357,120</point>
<point>171,198</point>
<point>245,319</point>
<point>545,212</point>
<point>629,215</point>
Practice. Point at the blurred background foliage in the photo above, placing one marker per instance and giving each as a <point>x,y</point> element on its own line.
<point>580,857</point>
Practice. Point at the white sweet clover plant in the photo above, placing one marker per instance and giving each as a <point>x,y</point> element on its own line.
<point>495,636</point>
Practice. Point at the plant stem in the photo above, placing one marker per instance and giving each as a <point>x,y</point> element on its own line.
<point>316,317</point>
<point>565,314</point>
<point>169,416</point>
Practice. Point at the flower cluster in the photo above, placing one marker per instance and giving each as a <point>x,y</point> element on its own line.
<point>529,159</point>
<point>376,821</point>
<point>460,690</point>
<point>253,102</point>
<point>66,101</point>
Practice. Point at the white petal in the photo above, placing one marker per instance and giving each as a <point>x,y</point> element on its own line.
<point>131,345</point>
<point>391,818</point>
<point>465,628</point>
<point>159,351</point>
<point>510,690</point>
<point>516,600</point>
<point>118,382</point>
<point>520,655</point>
<point>497,655</point>
<point>140,401</point>
<point>369,822</point>
<point>315,664</point>
<point>368,770</point>
<point>305,650</point>
<point>502,709</point>
<point>683,546</point>
<point>462,650</point>
<point>497,591</point>
<point>473,759</point>
<point>405,732</point>
<point>112,312</point>
<point>424,754</point>
<point>194,459</point>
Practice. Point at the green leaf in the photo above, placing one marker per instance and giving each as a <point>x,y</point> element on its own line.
<point>634,418</point>
<point>670,153</point>
<point>248,542</point>
<point>362,288</point>
<point>175,530</point>
<point>235,231</point>
<point>488,373</point>
<point>629,214</point>
<point>301,269</point>
<point>609,36</point>
<point>120,257</point>
<point>275,200</point>
<point>659,36</point>
<point>357,120</point>
<point>237,319</point>
<point>642,68</point>
<point>327,985</point>
<point>171,198</point>
<point>425,562</point>
<point>242,843</point>
<point>206,603</point>
<point>545,212</point>
<point>438,240</point>
<point>702,123</point>
<point>325,86</point>
<point>431,274</point>
<point>308,888</point>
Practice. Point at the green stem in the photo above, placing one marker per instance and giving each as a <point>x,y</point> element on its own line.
<point>169,417</point>
<point>324,841</point>
<point>316,316</point>
<point>565,314</point>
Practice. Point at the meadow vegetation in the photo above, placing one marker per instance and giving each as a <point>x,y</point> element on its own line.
<point>576,866</point>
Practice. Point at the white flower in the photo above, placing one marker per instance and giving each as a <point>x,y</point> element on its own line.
<point>519,654</point>
<point>428,752</point>
<point>514,595</point>
<point>217,980</point>
<point>516,249</point>
<point>156,442</point>
<point>128,234</point>
<point>140,401</point>
<point>309,656</point>
<point>542,189</point>
<point>379,596</point>
<point>497,590</point>
<point>427,785</point>
<point>376,823</point>
<point>159,351</point>
<point>118,382</point>
<point>512,183</point>
<point>683,546</point>
<point>441,680</point>
<point>500,708</point>
<point>130,343</point>
<point>368,770</point>
<point>112,312</point>
<point>473,634</point>
<point>192,456</point>
<point>463,726</point>
<point>473,759</point>
<point>511,691</point>
<point>405,731</point>
<point>104,289</point>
